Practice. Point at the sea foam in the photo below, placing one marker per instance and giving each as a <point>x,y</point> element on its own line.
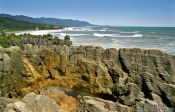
<point>103,35</point>
<point>116,35</point>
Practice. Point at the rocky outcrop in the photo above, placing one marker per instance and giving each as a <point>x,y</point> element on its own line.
<point>126,76</point>
<point>21,40</point>
<point>11,78</point>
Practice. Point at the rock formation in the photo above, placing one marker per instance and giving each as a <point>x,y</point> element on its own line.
<point>130,77</point>
<point>91,104</point>
<point>33,103</point>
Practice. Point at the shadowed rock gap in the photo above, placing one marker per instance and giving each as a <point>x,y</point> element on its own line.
<point>113,75</point>
<point>157,70</point>
<point>123,66</point>
<point>106,97</point>
<point>165,99</point>
<point>146,90</point>
<point>83,76</point>
<point>50,75</point>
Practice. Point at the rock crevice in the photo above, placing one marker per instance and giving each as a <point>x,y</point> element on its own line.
<point>126,75</point>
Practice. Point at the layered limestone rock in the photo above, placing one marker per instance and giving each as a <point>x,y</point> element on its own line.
<point>122,75</point>
<point>11,78</point>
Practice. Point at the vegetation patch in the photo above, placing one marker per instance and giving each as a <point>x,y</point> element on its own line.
<point>7,40</point>
<point>10,24</point>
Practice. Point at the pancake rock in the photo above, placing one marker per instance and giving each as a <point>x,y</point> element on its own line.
<point>126,76</point>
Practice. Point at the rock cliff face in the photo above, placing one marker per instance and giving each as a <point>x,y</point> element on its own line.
<point>126,76</point>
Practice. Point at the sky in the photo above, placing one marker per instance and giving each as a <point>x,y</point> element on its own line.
<point>101,12</point>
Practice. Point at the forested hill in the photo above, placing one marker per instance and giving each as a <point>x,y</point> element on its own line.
<point>52,21</point>
<point>11,24</point>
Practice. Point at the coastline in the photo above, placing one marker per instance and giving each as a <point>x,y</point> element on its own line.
<point>57,72</point>
<point>119,37</point>
<point>87,56</point>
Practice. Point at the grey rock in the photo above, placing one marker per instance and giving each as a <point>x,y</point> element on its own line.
<point>127,74</point>
<point>146,105</point>
<point>40,103</point>
<point>4,102</point>
<point>20,106</point>
<point>92,104</point>
<point>34,103</point>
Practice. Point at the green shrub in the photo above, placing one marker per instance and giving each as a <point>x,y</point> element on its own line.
<point>12,39</point>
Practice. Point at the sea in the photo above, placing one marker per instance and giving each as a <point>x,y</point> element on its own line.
<point>162,38</point>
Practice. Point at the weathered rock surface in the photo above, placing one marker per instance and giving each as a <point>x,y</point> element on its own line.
<point>4,102</point>
<point>34,103</point>
<point>92,104</point>
<point>146,105</point>
<point>62,98</point>
<point>123,75</point>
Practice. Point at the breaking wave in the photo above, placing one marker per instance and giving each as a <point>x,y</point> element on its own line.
<point>116,35</point>
<point>73,35</point>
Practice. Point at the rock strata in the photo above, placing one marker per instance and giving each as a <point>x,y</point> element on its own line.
<point>126,76</point>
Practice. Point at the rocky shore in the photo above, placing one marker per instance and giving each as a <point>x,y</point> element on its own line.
<point>117,80</point>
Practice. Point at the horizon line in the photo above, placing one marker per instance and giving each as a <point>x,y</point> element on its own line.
<point>84,21</point>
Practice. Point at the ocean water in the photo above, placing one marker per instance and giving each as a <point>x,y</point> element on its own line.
<point>162,38</point>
